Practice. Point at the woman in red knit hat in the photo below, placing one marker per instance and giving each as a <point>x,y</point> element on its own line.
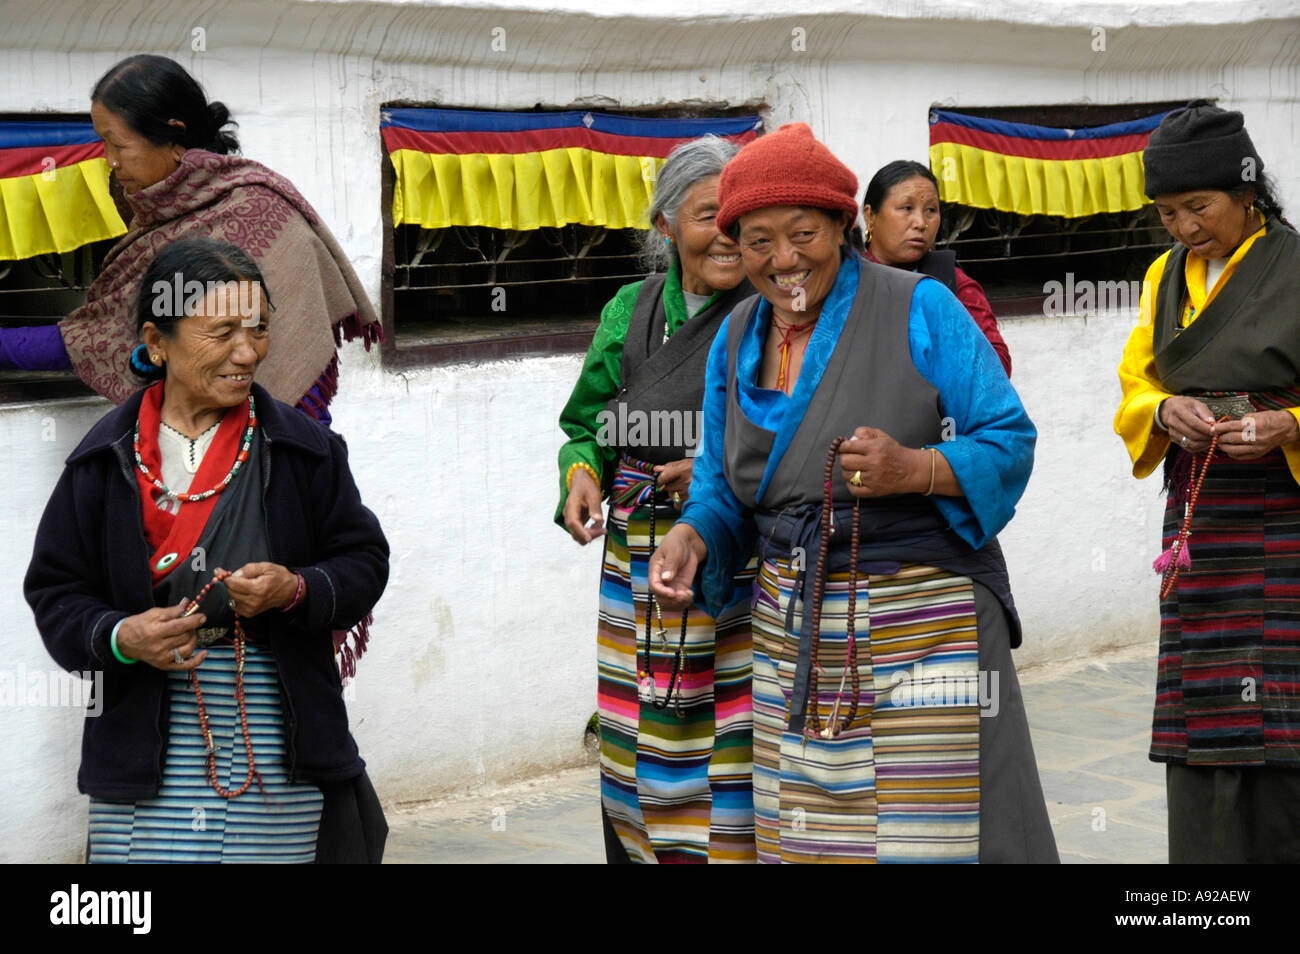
<point>860,429</point>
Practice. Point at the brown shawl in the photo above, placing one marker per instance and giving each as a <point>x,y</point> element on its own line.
<point>317,297</point>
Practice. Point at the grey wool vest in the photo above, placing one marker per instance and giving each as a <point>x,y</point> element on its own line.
<point>870,380</point>
<point>657,408</point>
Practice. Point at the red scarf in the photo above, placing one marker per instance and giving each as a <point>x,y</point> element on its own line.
<point>176,535</point>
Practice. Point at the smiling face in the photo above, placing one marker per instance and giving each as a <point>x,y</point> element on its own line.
<point>792,256</point>
<point>710,260</point>
<point>904,227</point>
<point>136,162</point>
<point>1209,222</point>
<point>213,352</point>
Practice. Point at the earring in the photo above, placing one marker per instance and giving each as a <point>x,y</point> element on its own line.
<point>867,238</point>
<point>668,240</point>
<point>154,358</point>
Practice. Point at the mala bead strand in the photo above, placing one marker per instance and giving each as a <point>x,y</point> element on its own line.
<point>1171,562</point>
<point>646,675</point>
<point>836,724</point>
<point>240,649</point>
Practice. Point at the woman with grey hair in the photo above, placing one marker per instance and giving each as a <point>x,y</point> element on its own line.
<point>673,694</point>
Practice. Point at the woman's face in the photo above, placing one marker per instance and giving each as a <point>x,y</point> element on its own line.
<point>215,350</point>
<point>710,260</point>
<point>791,256</point>
<point>1209,222</point>
<point>904,227</point>
<point>136,162</point>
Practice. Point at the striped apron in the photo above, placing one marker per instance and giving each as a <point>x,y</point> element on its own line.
<point>676,788</point>
<point>188,822</point>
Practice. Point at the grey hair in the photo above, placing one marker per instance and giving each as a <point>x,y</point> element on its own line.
<point>686,165</point>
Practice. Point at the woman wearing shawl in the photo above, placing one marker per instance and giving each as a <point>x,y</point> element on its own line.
<point>1216,354</point>
<point>221,733</point>
<point>169,150</point>
<point>674,725</point>
<point>903,738</point>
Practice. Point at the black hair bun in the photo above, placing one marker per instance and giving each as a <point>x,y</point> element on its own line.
<point>222,141</point>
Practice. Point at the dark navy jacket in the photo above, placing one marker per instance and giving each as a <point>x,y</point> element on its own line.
<point>90,569</point>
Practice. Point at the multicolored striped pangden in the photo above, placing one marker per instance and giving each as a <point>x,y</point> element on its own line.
<point>534,170</point>
<point>1228,682</point>
<point>1039,170</point>
<point>53,189</point>
<point>676,789</point>
<point>902,782</point>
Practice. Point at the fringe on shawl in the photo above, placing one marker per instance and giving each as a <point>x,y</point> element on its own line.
<point>351,328</point>
<point>349,654</point>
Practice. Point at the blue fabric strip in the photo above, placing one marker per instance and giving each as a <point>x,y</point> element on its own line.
<point>468,120</point>
<point>1029,131</point>
<point>28,135</point>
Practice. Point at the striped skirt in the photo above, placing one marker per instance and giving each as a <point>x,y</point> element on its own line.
<point>188,821</point>
<point>1228,682</point>
<point>675,782</point>
<point>902,782</point>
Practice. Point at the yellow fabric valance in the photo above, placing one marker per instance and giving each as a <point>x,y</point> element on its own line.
<point>545,189</point>
<point>58,211</point>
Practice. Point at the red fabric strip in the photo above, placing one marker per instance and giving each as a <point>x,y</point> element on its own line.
<point>534,140</point>
<point>30,160</point>
<point>1038,148</point>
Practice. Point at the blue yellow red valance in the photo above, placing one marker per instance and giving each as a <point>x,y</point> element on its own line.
<point>534,170</point>
<point>1039,170</point>
<point>53,189</point>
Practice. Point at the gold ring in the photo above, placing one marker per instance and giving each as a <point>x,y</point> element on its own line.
<point>677,498</point>
<point>856,479</point>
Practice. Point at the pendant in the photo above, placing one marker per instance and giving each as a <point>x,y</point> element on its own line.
<point>647,688</point>
<point>166,561</point>
<point>662,636</point>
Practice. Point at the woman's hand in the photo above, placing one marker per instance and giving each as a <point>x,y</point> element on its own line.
<point>154,636</point>
<point>1187,417</point>
<point>884,466</point>
<point>1256,434</point>
<point>673,566</point>
<point>583,504</point>
<point>257,587</point>
<point>676,479</point>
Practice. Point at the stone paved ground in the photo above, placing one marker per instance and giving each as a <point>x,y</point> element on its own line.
<point>1090,721</point>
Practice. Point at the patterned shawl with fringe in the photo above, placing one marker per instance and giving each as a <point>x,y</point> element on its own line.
<point>319,301</point>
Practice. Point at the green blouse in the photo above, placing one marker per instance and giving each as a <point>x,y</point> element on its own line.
<point>601,377</point>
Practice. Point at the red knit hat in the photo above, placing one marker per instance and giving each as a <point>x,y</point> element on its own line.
<point>787,167</point>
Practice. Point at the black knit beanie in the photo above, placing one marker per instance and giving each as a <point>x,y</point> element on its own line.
<point>1200,147</point>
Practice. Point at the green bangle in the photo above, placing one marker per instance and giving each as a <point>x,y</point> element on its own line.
<point>112,642</point>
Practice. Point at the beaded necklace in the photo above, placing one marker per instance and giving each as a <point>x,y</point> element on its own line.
<point>647,677</point>
<point>835,725</point>
<point>211,746</point>
<point>204,495</point>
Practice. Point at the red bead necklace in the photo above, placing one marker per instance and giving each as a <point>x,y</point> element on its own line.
<point>1177,556</point>
<point>204,495</point>
<point>240,640</point>
<point>835,724</point>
